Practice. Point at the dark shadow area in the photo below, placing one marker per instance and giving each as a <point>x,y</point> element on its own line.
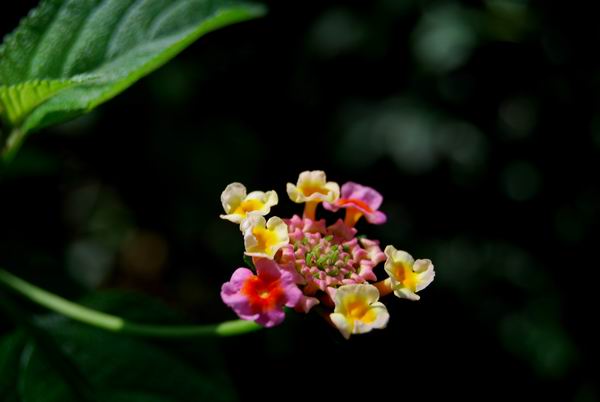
<point>477,121</point>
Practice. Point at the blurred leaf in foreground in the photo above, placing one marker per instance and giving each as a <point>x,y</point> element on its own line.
<point>69,56</point>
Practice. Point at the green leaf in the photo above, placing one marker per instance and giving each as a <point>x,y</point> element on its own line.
<point>134,397</point>
<point>249,262</point>
<point>69,56</point>
<point>121,368</point>
<point>17,101</point>
<point>11,347</point>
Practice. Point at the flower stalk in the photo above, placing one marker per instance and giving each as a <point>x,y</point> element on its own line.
<point>114,323</point>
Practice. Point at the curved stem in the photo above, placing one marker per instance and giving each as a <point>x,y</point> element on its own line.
<point>13,143</point>
<point>117,324</point>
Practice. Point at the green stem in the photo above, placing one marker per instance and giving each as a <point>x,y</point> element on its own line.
<point>117,324</point>
<point>13,144</point>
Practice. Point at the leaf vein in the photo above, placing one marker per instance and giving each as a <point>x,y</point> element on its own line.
<point>76,37</point>
<point>36,47</point>
<point>155,25</point>
<point>118,26</point>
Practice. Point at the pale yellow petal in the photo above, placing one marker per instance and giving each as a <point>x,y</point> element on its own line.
<point>313,187</point>
<point>406,293</point>
<point>339,320</point>
<point>264,239</point>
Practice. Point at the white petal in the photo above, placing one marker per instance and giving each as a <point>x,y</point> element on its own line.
<point>381,319</point>
<point>252,221</point>
<point>369,292</point>
<point>395,257</point>
<point>422,265</point>
<point>341,324</point>
<point>382,315</point>
<point>333,191</point>
<point>250,241</point>
<point>425,278</point>
<point>256,195</point>
<point>235,218</point>
<point>271,198</point>
<point>294,194</point>
<point>232,196</point>
<point>403,257</point>
<point>406,293</point>
<point>315,176</point>
<point>275,222</point>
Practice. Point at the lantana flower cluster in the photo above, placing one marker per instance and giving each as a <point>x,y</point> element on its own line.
<point>302,262</point>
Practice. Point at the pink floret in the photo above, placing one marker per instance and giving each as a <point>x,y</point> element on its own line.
<point>261,297</point>
<point>362,198</point>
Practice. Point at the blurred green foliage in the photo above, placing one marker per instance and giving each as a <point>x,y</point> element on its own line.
<point>113,367</point>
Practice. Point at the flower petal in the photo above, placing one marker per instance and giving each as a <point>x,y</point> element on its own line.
<point>376,218</point>
<point>306,303</point>
<point>313,187</point>
<point>342,324</point>
<point>238,205</point>
<point>359,200</point>
<point>368,195</point>
<point>426,273</point>
<point>357,310</point>
<point>271,318</point>
<point>230,293</point>
<point>261,297</point>
<point>407,275</point>
<point>264,239</point>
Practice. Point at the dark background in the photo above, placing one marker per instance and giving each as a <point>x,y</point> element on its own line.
<point>476,120</point>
